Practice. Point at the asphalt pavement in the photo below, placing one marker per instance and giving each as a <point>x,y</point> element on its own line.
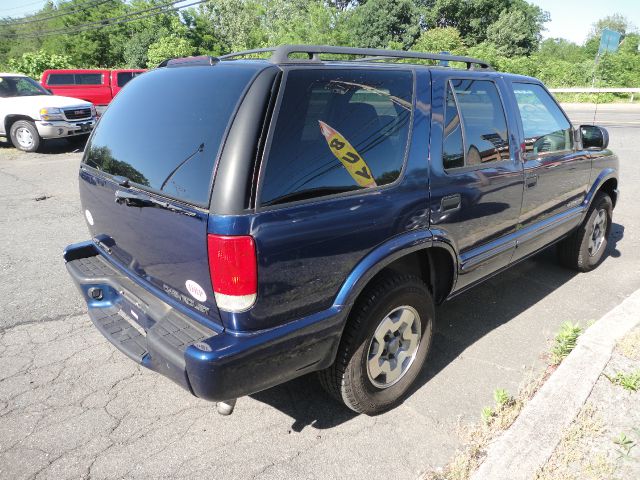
<point>72,406</point>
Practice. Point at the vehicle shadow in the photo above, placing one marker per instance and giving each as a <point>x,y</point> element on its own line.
<point>460,323</point>
<point>53,146</point>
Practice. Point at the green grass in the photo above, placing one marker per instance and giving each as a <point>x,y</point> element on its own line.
<point>625,444</point>
<point>565,342</point>
<point>629,381</point>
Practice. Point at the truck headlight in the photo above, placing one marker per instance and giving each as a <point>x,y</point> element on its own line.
<point>51,113</point>
<point>93,110</point>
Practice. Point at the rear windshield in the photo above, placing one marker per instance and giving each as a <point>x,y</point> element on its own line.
<point>164,130</point>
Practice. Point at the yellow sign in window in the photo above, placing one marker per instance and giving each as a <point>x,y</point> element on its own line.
<point>348,156</point>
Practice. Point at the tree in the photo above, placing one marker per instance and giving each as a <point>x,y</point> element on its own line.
<point>615,22</point>
<point>33,64</point>
<point>561,49</point>
<point>304,21</point>
<point>436,40</point>
<point>517,31</point>
<point>384,23</point>
<point>136,48</point>
<point>168,47</point>
<point>237,23</point>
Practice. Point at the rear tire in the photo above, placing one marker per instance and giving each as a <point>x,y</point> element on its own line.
<point>384,345</point>
<point>24,136</point>
<point>584,249</point>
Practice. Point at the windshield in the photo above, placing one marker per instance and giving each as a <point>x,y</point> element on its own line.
<point>20,87</point>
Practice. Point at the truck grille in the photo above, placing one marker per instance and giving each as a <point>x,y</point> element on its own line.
<point>77,113</point>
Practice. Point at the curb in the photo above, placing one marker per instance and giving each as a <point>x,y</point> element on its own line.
<point>529,442</point>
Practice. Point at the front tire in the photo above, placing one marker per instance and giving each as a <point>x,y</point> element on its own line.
<point>384,345</point>
<point>24,136</point>
<point>584,249</point>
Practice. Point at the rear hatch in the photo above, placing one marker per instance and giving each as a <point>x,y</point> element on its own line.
<point>146,175</point>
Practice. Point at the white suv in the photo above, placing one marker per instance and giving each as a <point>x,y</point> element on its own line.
<point>29,113</point>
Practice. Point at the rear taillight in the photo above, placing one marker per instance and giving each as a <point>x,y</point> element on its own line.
<point>232,264</point>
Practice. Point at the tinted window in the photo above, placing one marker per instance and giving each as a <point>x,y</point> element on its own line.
<point>546,129</point>
<point>20,87</point>
<point>60,79</point>
<point>452,145</point>
<point>485,137</point>
<point>88,79</point>
<point>176,151</point>
<point>337,131</point>
<point>125,77</point>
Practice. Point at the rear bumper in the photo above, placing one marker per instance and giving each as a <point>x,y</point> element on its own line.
<point>61,128</point>
<point>213,364</point>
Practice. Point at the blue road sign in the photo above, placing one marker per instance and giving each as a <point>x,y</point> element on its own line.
<point>609,41</point>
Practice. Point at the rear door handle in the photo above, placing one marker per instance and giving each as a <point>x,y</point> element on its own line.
<point>451,202</point>
<point>531,181</point>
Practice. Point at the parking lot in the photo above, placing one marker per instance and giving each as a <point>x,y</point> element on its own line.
<point>72,406</point>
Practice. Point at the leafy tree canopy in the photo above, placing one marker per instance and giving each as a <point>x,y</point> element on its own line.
<point>506,33</point>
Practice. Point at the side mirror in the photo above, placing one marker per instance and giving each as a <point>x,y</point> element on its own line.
<point>594,136</point>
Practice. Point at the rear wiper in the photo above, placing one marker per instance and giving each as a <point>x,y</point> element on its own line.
<point>141,200</point>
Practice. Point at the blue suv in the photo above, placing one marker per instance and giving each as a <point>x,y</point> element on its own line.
<point>258,219</point>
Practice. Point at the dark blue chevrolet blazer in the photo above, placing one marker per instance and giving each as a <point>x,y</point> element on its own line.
<point>254,220</point>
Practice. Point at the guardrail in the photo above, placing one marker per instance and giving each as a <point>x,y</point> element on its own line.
<point>632,91</point>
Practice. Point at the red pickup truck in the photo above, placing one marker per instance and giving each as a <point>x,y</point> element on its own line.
<point>95,86</point>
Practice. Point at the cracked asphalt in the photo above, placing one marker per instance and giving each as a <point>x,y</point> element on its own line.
<point>72,406</point>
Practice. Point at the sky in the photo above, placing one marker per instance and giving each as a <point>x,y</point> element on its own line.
<point>570,19</point>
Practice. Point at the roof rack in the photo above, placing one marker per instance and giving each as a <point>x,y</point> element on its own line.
<point>282,54</point>
<point>189,61</point>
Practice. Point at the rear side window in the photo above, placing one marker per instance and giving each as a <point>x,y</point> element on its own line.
<point>337,131</point>
<point>173,153</point>
<point>546,129</point>
<point>88,78</point>
<point>453,145</point>
<point>60,79</point>
<point>125,77</point>
<point>75,79</point>
<point>475,124</point>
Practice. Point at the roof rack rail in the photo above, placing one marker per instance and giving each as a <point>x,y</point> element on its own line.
<point>189,61</point>
<point>282,54</point>
<point>245,53</point>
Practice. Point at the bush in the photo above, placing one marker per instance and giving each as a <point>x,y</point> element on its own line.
<point>437,40</point>
<point>168,47</point>
<point>34,63</point>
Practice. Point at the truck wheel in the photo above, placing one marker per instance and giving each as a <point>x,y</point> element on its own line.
<point>25,136</point>
<point>584,249</point>
<point>384,345</point>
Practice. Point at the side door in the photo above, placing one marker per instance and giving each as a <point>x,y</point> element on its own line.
<point>556,171</point>
<point>476,175</point>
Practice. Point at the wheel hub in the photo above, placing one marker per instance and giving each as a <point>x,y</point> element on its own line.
<point>394,346</point>
<point>598,232</point>
<point>24,137</point>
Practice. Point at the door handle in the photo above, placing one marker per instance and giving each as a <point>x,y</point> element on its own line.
<point>450,202</point>
<point>531,181</point>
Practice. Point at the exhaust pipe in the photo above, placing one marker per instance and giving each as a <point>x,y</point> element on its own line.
<point>226,408</point>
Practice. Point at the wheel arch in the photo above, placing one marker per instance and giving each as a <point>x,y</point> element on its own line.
<point>13,118</point>
<point>607,182</point>
<point>610,187</point>
<point>419,253</point>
